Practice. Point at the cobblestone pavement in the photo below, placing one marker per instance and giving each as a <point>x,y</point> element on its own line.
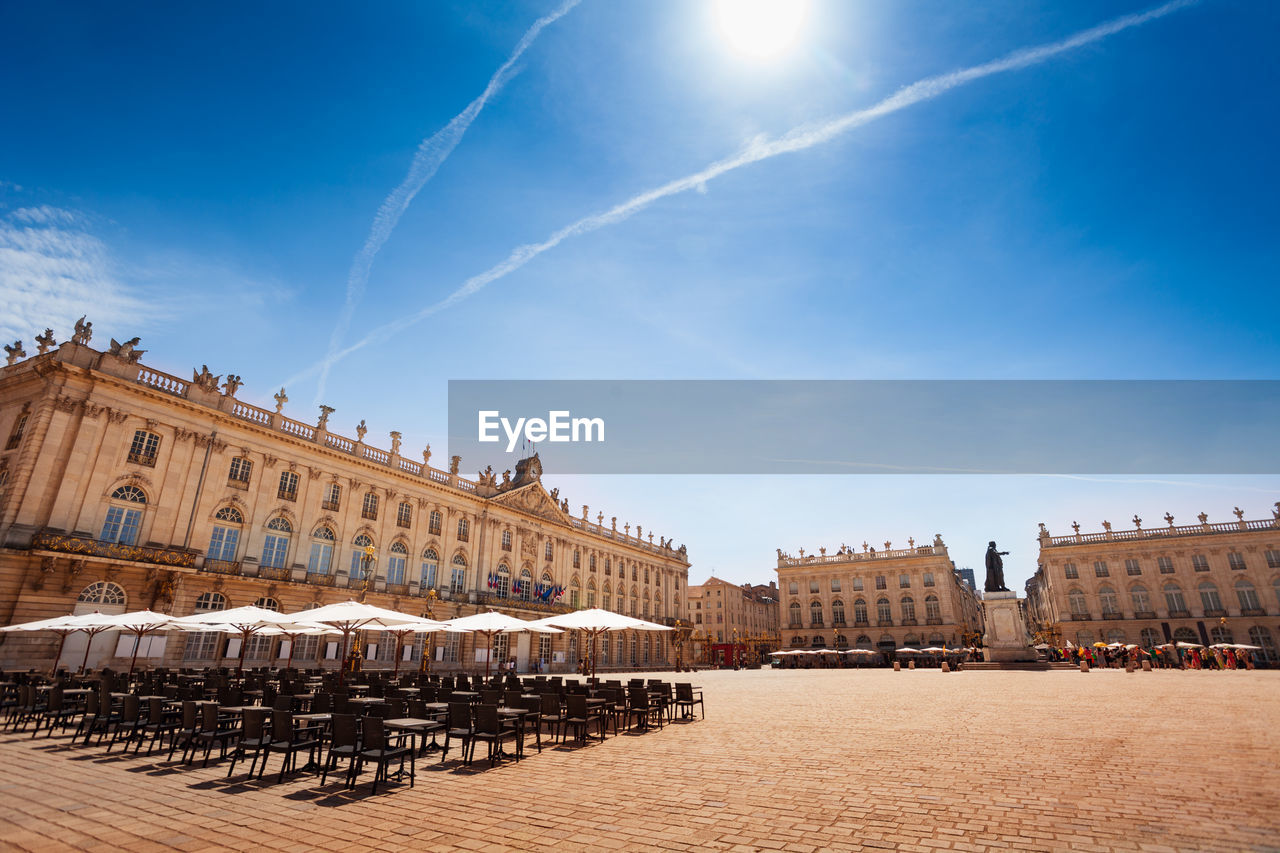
<point>785,760</point>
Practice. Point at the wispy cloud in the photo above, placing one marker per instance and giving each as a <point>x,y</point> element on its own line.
<point>798,139</point>
<point>431,154</point>
<point>53,270</point>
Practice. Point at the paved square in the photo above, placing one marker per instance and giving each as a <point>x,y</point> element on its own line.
<point>786,760</point>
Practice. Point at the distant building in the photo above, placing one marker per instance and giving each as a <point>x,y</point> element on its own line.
<point>720,612</point>
<point>967,576</point>
<point>1199,583</point>
<point>879,600</point>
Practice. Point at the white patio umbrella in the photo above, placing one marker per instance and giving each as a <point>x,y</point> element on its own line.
<point>596,622</point>
<point>246,621</point>
<point>139,623</point>
<point>63,626</point>
<point>290,632</point>
<point>401,630</point>
<point>908,649</point>
<point>348,617</point>
<point>492,622</point>
<point>1184,645</point>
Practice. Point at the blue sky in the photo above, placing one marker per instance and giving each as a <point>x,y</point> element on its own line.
<point>204,176</point>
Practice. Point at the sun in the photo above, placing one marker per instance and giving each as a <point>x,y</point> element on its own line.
<point>761,29</point>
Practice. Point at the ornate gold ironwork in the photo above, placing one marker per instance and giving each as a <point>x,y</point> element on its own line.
<point>68,544</point>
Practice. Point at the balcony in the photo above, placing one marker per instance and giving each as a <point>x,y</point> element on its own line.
<point>884,623</point>
<point>320,579</point>
<point>1079,617</point>
<point>397,589</point>
<point>1144,614</point>
<point>1214,612</point>
<point>815,623</point>
<point>933,620</point>
<point>910,622</point>
<point>838,623</point>
<point>148,459</point>
<point>357,583</point>
<point>328,505</point>
<point>1253,611</point>
<point>1112,614</point>
<point>287,494</point>
<point>1179,614</point>
<point>222,567</point>
<point>275,573</point>
<point>795,625</point>
<point>46,540</point>
<point>859,623</point>
<point>242,485</point>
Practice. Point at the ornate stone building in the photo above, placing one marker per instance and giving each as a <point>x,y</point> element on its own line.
<point>1200,583</point>
<point>122,487</point>
<point>873,599</point>
<point>722,612</point>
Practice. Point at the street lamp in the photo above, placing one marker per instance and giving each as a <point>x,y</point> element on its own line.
<point>425,665</point>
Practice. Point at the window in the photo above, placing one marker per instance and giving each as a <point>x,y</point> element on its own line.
<point>1131,567</point>
<point>404,515</point>
<point>144,448</point>
<point>1185,635</point>
<point>124,516</point>
<point>1115,635</point>
<point>928,578</point>
<point>369,508</point>
<point>267,604</point>
<point>332,500</point>
<point>548,551</point>
<point>1235,560</point>
<point>361,556</point>
<point>1165,564</point>
<point>288,490</point>
<point>793,588</point>
<point>275,548</point>
<point>1100,569</point>
<point>1148,637</point>
<point>321,551</point>
<point>577,560</point>
<point>225,539</point>
<point>544,649</point>
<point>1173,599</point>
<point>608,566</point>
<point>908,605</point>
<point>1109,601</point>
<point>575,596</point>
<point>813,587</point>
<point>1070,572</point>
<point>1077,603</point>
<point>501,582</point>
<point>1140,600</point>
<point>240,471</point>
<point>837,612</point>
<point>880,582</point>
<point>204,645</point>
<point>860,611</point>
<point>452,648</point>
<point>15,437</point>
<point>1273,562</point>
<point>904,581</point>
<point>464,530</point>
<point>815,614</point>
<point>525,587</point>
<point>435,522</point>
<point>1261,637</point>
<point>932,609</point>
<point>458,575</point>
<point>396,563</point>
<point>883,614</point>
<point>857,584</point>
<point>1248,596</point>
<point>430,562</point>
<point>1209,597</point>
<point>835,584</point>
<point>793,612</point>
<point>506,540</point>
<point>102,593</point>
<point>1200,563</point>
<point>1221,634</point>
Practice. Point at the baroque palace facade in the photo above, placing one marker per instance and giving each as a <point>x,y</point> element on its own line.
<point>879,600</point>
<point>1198,583</point>
<point>122,488</point>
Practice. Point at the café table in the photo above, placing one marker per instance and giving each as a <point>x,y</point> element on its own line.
<point>518,715</point>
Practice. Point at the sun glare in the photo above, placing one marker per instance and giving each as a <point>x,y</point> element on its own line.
<point>761,29</point>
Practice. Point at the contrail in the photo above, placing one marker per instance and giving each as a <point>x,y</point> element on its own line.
<point>433,151</point>
<point>798,139</point>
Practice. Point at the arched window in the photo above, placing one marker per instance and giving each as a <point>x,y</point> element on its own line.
<point>1173,598</point>
<point>793,615</point>
<point>396,562</point>
<point>1140,599</point>
<point>1209,597</point>
<point>1221,634</point>
<point>458,575</point>
<point>102,593</point>
<point>1084,638</point>
<point>608,566</point>
<point>525,587</point>
<point>124,516</point>
<point>863,641</point>
<point>1115,635</point>
<point>1261,636</point>
<point>435,523</point>
<point>883,614</point>
<point>204,645</point>
<point>430,563</point>
<point>817,642</point>
<point>1149,637</point>
<point>936,639</point>
<point>860,611</point>
<point>912,640</point>
<point>575,593</point>
<point>331,499</point>
<point>404,515</point>
<point>362,556</point>
<point>841,641</point>
<point>288,488</point>
<point>275,547</point>
<point>932,609</point>
<point>1185,635</point>
<point>464,530</point>
<point>1248,596</point>
<point>267,603</point>
<point>837,612</point>
<point>591,592</point>
<point>502,581</point>
<point>605,602</point>
<point>797,642</point>
<point>815,614</point>
<point>908,609</point>
<point>1109,602</point>
<point>321,559</point>
<point>225,539</point>
<point>208,601</point>
<point>1077,603</point>
<point>635,601</point>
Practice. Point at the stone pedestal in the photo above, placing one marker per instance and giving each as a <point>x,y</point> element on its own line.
<point>1006,638</point>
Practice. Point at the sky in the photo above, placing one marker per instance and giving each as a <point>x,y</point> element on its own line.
<point>652,189</point>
